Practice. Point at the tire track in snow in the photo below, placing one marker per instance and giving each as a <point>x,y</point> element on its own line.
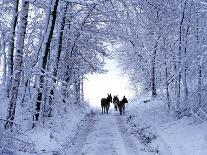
<point>103,134</point>
<point>108,137</point>
<point>101,139</point>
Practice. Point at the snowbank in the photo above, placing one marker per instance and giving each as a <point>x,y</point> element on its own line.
<point>51,140</point>
<point>46,139</point>
<point>149,120</point>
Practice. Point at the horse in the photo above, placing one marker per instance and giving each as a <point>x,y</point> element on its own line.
<point>121,105</point>
<point>105,103</point>
<point>115,101</point>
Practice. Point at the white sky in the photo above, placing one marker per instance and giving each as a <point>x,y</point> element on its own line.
<point>98,85</point>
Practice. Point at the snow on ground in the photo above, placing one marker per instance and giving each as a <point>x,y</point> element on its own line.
<point>106,138</point>
<point>45,139</point>
<point>146,129</point>
<point>160,131</point>
<point>105,134</point>
<point>51,140</point>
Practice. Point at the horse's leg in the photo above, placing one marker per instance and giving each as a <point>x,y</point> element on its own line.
<point>119,109</point>
<point>124,109</point>
<point>102,109</point>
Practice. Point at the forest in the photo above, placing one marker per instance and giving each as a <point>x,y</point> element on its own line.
<point>48,47</point>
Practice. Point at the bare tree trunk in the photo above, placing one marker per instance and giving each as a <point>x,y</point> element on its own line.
<point>81,89</point>
<point>199,85</point>
<point>77,84</point>
<point>4,59</point>
<point>18,63</point>
<point>178,77</point>
<point>11,46</point>
<point>184,79</point>
<point>153,77</point>
<point>37,53</point>
<point>77,91</point>
<point>200,64</point>
<point>166,79</point>
<point>59,50</point>
<point>45,52</point>
<point>167,87</point>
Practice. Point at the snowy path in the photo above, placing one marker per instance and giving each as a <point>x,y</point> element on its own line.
<point>104,134</point>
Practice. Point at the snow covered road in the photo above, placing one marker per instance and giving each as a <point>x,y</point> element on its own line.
<point>104,134</point>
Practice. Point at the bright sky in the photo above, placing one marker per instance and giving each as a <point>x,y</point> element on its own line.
<point>98,85</point>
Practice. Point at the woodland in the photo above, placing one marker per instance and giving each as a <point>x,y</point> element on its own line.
<point>47,47</point>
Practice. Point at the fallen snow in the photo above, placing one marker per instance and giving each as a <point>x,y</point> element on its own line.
<point>147,128</point>
<point>106,134</point>
<point>184,136</point>
<point>52,139</point>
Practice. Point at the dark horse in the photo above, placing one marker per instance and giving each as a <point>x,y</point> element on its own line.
<point>116,101</point>
<point>105,103</point>
<point>121,105</point>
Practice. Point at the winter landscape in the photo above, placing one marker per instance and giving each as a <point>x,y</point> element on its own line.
<point>103,77</point>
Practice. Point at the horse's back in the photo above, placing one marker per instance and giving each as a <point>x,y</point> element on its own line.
<point>103,101</point>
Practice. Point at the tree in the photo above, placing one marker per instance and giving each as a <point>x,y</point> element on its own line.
<point>18,63</point>
<point>45,52</point>
<point>11,45</point>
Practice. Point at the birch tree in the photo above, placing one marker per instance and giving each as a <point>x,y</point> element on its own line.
<point>18,63</point>
<point>61,27</point>
<point>11,44</point>
<point>45,50</point>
